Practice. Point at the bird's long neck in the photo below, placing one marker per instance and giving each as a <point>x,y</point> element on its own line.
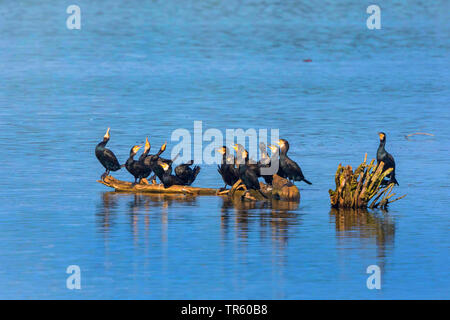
<point>103,143</point>
<point>144,155</point>
<point>239,160</point>
<point>381,146</point>
<point>381,152</point>
<point>159,153</point>
<point>264,155</point>
<point>247,160</point>
<point>225,158</point>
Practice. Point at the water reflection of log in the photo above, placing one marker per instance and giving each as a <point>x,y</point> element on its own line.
<point>106,211</point>
<point>275,216</point>
<point>140,203</point>
<point>365,225</point>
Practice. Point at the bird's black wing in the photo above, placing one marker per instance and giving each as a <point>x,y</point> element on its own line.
<point>252,178</point>
<point>109,157</point>
<point>293,168</point>
<point>390,161</point>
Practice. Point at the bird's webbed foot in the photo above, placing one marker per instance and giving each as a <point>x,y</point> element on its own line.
<point>248,196</point>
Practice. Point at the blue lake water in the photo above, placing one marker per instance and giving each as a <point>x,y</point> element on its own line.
<point>148,68</point>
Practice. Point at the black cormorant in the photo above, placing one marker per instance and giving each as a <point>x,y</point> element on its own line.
<point>106,156</point>
<point>387,158</point>
<point>289,168</point>
<point>147,169</point>
<point>152,161</point>
<point>248,174</point>
<point>229,173</point>
<point>264,162</point>
<point>163,173</point>
<point>276,156</point>
<point>186,173</point>
<point>240,159</point>
<point>135,167</point>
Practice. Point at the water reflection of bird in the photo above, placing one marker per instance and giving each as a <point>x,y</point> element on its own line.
<point>276,216</point>
<point>106,157</point>
<point>107,209</point>
<point>141,203</point>
<point>386,157</point>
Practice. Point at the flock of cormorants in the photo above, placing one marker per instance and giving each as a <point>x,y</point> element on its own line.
<point>232,167</point>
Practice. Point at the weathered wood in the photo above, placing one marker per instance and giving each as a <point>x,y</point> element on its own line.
<point>125,186</point>
<point>356,189</point>
<point>282,189</point>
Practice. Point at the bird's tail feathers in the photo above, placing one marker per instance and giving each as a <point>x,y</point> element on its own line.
<point>196,171</point>
<point>393,180</point>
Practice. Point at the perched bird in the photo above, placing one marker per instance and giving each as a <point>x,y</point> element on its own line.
<point>106,157</point>
<point>387,158</point>
<point>229,173</point>
<point>186,173</point>
<point>146,168</point>
<point>135,167</point>
<point>166,177</point>
<point>275,157</point>
<point>240,159</point>
<point>168,161</point>
<point>248,175</point>
<point>289,168</point>
<point>152,161</point>
<point>265,162</point>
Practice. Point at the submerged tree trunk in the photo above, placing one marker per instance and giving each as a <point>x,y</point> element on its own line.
<point>356,189</point>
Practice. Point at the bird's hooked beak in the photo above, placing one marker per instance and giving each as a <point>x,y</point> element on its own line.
<point>280,143</point>
<point>222,150</point>
<point>272,148</point>
<point>236,148</point>
<point>381,135</point>
<point>165,166</point>
<point>106,136</point>
<point>163,147</point>
<point>147,145</point>
<point>136,149</point>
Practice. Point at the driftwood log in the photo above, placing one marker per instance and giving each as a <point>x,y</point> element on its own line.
<point>125,186</point>
<point>357,189</point>
<point>282,189</point>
